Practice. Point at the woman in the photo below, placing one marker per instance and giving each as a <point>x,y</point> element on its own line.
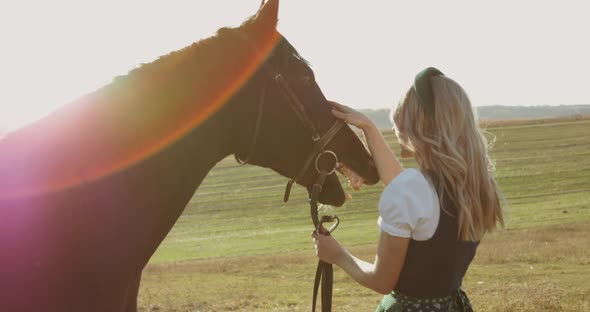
<point>433,217</point>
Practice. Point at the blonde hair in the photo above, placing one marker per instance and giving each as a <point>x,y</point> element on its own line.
<point>450,146</point>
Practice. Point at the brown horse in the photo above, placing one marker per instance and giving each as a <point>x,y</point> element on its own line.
<point>89,192</point>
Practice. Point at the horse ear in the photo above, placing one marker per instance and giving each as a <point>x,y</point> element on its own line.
<point>268,14</point>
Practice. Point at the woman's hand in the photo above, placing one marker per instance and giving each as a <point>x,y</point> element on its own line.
<point>387,164</point>
<point>328,249</point>
<point>350,116</point>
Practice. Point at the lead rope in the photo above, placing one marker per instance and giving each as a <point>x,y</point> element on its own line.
<point>324,272</point>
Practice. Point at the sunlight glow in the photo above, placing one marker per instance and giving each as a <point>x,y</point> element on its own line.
<point>143,149</point>
<point>64,49</point>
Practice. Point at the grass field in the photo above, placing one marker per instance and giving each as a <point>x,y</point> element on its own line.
<point>237,247</point>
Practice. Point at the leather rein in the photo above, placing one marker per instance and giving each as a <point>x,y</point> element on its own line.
<point>325,164</point>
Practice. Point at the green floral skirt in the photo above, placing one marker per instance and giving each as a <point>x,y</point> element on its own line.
<point>393,302</point>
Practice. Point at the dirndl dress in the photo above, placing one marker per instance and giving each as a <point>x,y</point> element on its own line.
<point>396,302</point>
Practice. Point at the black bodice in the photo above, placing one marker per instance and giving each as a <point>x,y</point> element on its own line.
<point>435,267</point>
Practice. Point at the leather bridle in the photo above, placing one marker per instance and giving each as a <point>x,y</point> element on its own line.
<point>325,164</point>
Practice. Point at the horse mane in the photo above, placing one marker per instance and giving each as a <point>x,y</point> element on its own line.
<point>204,63</point>
<point>195,65</point>
<point>204,47</point>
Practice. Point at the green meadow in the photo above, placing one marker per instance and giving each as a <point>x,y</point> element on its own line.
<point>238,247</point>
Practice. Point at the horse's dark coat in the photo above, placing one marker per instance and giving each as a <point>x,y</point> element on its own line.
<point>80,216</point>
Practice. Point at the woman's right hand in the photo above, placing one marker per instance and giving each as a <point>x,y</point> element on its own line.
<point>350,116</point>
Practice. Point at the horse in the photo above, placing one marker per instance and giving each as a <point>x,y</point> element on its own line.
<point>89,192</point>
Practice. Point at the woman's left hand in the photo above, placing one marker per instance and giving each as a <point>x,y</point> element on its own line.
<point>327,248</point>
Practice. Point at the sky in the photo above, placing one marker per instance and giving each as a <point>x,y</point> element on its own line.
<point>364,53</point>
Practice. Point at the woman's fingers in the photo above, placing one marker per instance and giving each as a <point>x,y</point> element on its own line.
<point>335,104</point>
<point>349,115</point>
<point>340,107</point>
<point>327,248</point>
<point>339,114</point>
<point>352,118</point>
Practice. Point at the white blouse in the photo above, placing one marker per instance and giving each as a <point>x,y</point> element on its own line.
<point>409,206</point>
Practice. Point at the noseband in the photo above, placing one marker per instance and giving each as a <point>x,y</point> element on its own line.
<point>325,164</point>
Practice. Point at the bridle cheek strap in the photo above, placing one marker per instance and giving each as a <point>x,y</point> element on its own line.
<point>324,273</point>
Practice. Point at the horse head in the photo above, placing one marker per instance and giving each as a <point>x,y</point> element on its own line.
<point>287,110</point>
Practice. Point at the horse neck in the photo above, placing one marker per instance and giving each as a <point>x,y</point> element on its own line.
<point>83,143</point>
<point>225,132</point>
<point>207,144</point>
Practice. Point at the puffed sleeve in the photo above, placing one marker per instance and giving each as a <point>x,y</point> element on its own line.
<point>406,205</point>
